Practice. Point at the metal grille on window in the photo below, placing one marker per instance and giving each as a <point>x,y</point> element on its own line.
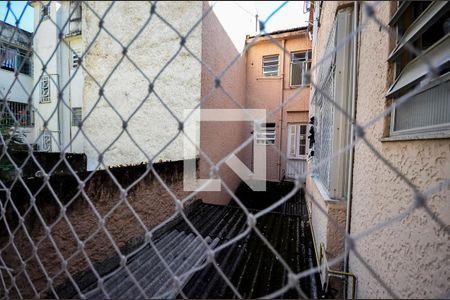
<point>265,133</point>
<point>44,90</point>
<point>8,58</point>
<point>14,113</point>
<point>46,141</point>
<point>76,116</point>
<point>270,65</point>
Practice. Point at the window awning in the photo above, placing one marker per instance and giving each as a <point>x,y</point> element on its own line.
<point>422,23</point>
<point>437,55</point>
<point>399,12</point>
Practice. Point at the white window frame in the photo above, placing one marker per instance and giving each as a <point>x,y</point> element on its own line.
<point>44,97</point>
<point>305,65</point>
<point>440,129</point>
<point>294,138</point>
<point>267,61</point>
<point>416,70</point>
<point>265,133</point>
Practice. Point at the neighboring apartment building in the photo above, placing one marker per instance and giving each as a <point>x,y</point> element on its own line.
<point>116,99</point>
<point>270,75</point>
<point>356,188</point>
<point>58,96</point>
<point>276,66</point>
<point>16,82</point>
<point>76,82</point>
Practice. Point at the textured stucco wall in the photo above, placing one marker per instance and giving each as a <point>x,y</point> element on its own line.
<point>328,221</point>
<point>152,126</point>
<point>412,255</point>
<point>327,230</point>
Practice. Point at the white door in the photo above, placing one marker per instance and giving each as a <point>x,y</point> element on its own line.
<point>297,150</point>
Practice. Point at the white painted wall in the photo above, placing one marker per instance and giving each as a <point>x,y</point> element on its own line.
<point>15,91</point>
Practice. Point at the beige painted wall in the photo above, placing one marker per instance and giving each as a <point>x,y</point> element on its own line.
<point>178,85</point>
<point>244,87</point>
<point>218,139</point>
<point>271,92</point>
<point>410,255</point>
<point>334,220</point>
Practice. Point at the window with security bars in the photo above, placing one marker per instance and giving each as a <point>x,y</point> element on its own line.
<point>270,65</point>
<point>332,127</point>
<point>44,96</point>
<point>297,141</point>
<point>14,114</point>
<point>300,65</point>
<point>15,59</point>
<point>426,27</point>
<point>76,115</point>
<point>265,133</point>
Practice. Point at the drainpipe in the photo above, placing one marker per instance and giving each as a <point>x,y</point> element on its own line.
<point>282,108</point>
<point>352,130</point>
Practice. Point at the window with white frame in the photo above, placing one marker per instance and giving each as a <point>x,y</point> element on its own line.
<point>300,65</point>
<point>76,115</point>
<point>270,65</point>
<point>297,141</point>
<point>265,133</point>
<point>44,96</point>
<point>426,26</point>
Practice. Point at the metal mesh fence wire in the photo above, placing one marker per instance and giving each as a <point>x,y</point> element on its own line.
<point>15,280</point>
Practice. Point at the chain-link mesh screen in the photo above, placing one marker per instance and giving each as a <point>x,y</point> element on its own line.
<point>92,203</point>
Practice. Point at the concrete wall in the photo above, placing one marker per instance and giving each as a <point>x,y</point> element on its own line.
<point>148,198</point>
<point>410,255</point>
<point>271,92</point>
<point>178,86</point>
<point>220,46</point>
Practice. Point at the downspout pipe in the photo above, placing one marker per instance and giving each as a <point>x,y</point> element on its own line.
<point>352,131</point>
<point>281,104</point>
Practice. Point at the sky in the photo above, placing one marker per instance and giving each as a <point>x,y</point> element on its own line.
<point>18,8</point>
<point>289,16</point>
